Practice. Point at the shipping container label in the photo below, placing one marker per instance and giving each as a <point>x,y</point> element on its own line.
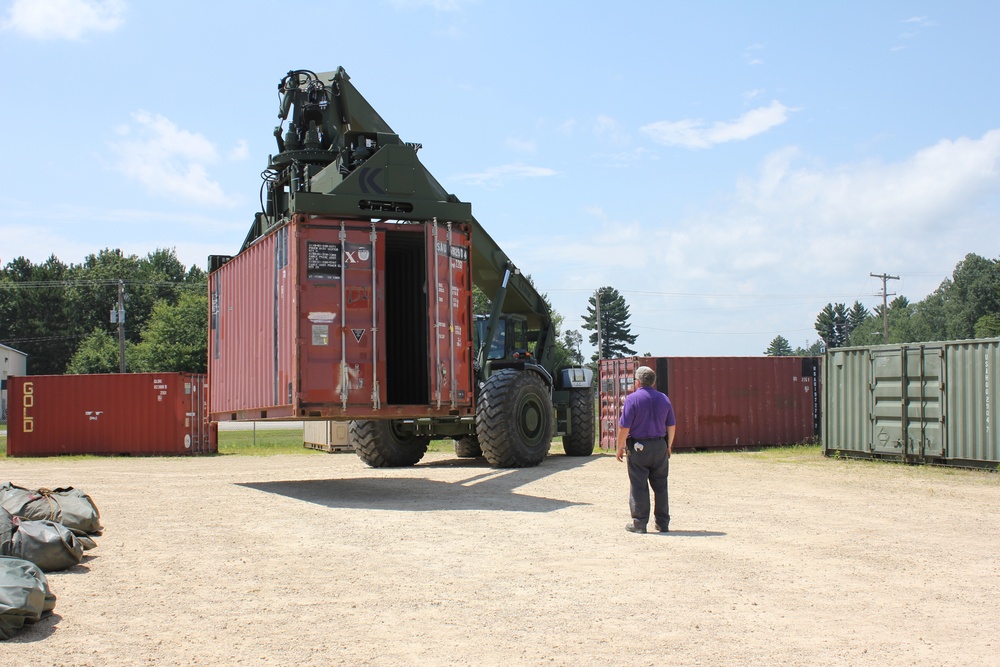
<point>461,253</point>
<point>320,334</point>
<point>324,261</point>
<point>27,402</point>
<point>161,387</point>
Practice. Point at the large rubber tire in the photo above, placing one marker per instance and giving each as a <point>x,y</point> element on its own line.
<point>381,445</point>
<point>468,448</point>
<point>514,419</point>
<point>580,441</point>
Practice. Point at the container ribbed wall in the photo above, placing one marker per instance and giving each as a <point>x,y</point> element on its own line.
<point>132,413</point>
<point>918,402</point>
<point>722,402</point>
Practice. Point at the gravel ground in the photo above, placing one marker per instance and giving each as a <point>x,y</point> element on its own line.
<point>319,560</point>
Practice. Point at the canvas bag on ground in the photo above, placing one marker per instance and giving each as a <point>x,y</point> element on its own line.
<point>70,507</point>
<point>24,595</point>
<point>49,545</point>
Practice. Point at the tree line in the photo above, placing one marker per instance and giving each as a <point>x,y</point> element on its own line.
<point>59,314</point>
<point>964,306</point>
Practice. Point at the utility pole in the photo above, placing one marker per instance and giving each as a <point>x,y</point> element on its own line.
<point>121,326</point>
<point>885,307</point>
<point>597,311</point>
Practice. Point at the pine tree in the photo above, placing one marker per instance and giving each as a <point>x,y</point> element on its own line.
<point>779,347</point>
<point>616,336</point>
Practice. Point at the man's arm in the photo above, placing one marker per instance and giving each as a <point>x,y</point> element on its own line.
<point>670,439</point>
<point>622,434</point>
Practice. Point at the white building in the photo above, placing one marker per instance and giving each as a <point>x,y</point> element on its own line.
<point>12,362</point>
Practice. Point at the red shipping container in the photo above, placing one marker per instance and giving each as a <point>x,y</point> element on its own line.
<point>130,413</point>
<point>722,402</point>
<point>343,319</point>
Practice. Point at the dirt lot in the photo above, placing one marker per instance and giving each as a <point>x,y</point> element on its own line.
<point>318,560</point>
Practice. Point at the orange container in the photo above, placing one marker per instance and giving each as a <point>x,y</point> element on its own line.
<point>130,413</point>
<point>343,319</point>
<point>722,402</point>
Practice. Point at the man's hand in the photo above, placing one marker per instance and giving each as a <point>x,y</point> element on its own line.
<point>620,440</point>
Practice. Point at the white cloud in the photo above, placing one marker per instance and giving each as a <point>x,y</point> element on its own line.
<point>64,19</point>
<point>521,145</point>
<point>504,173</point>
<point>566,127</point>
<point>609,131</point>
<point>786,241</point>
<point>169,161</point>
<point>694,133</point>
<point>241,151</point>
<point>750,56</point>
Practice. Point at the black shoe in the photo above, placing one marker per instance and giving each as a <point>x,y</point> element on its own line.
<point>632,528</point>
<point>662,529</point>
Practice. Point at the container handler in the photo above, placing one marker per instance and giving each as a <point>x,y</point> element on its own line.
<point>351,300</point>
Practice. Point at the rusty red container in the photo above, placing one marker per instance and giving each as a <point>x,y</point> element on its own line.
<point>129,413</point>
<point>722,402</point>
<point>343,319</point>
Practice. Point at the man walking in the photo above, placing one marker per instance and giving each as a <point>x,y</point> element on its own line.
<point>646,436</point>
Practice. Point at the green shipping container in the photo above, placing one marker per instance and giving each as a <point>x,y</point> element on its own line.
<point>916,402</point>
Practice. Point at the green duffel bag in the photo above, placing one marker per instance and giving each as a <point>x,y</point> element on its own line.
<point>70,507</point>
<point>49,545</point>
<point>24,595</point>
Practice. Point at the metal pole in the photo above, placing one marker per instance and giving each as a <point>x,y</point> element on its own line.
<point>121,326</point>
<point>885,305</point>
<point>597,312</point>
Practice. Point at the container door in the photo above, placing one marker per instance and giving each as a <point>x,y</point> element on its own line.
<point>339,317</point>
<point>616,381</point>
<point>450,315</point>
<point>887,401</point>
<point>906,398</point>
<point>925,391</point>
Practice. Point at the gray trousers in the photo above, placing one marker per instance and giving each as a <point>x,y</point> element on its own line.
<point>648,468</point>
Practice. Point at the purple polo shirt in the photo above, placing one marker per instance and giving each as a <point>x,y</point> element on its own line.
<point>647,413</point>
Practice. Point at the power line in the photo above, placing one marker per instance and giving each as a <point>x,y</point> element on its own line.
<point>109,282</point>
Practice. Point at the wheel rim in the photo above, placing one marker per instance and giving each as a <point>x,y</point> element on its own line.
<point>530,420</point>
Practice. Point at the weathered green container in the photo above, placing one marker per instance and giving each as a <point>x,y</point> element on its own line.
<point>917,402</point>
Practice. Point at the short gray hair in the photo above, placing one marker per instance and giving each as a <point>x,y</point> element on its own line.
<point>646,376</point>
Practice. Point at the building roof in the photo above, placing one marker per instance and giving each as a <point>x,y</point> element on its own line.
<point>7,347</point>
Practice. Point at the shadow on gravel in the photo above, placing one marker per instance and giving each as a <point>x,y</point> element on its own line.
<point>691,533</point>
<point>37,632</point>
<point>485,488</point>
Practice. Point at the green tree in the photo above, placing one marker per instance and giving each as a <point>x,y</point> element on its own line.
<point>779,347</point>
<point>973,293</point>
<point>835,323</point>
<point>831,325</point>
<point>988,326</point>
<point>481,304</point>
<point>176,338</point>
<point>856,316</point>
<point>573,342</point>
<point>615,332</point>
<point>99,352</point>
<point>901,321</point>
<point>810,350</point>
<point>930,322</point>
<point>36,317</point>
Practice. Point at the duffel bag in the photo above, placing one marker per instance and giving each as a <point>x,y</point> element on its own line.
<point>70,507</point>
<point>49,545</point>
<point>24,595</point>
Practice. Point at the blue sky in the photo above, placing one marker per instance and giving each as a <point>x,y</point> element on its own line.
<point>729,167</point>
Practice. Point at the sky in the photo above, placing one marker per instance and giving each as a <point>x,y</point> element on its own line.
<point>729,167</point>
